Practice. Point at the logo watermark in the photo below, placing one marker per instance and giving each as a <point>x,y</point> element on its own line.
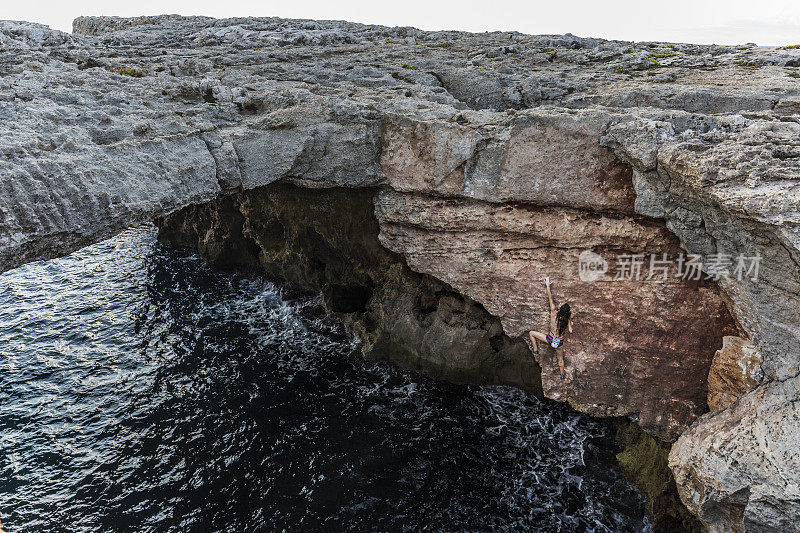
<point>662,267</point>
<point>591,266</point>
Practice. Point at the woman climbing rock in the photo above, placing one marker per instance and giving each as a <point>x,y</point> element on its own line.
<point>560,327</point>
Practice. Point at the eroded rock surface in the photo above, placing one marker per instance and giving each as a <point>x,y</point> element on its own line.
<point>492,160</point>
<point>735,370</point>
<point>737,469</point>
<point>630,335</point>
<point>734,190</point>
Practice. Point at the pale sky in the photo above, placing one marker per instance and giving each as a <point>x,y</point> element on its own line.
<point>764,22</point>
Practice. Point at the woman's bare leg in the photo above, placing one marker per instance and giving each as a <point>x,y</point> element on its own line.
<point>532,335</point>
<point>535,335</point>
<point>560,357</point>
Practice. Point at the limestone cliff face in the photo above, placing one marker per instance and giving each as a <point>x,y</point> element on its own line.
<point>734,190</point>
<point>470,167</point>
<point>735,468</point>
<point>494,221</point>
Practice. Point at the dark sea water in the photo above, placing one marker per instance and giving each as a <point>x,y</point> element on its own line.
<point>141,391</point>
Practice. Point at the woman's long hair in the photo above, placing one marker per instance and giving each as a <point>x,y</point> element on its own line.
<point>562,319</point>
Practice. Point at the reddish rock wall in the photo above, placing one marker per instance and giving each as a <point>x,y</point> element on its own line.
<point>492,215</point>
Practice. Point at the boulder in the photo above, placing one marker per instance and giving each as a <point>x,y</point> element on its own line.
<point>738,469</point>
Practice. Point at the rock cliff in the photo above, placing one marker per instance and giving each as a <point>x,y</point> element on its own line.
<point>426,182</point>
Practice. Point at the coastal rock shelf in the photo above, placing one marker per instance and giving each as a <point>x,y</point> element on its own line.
<point>425,183</point>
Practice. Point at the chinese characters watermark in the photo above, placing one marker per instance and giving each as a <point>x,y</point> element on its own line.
<point>661,267</point>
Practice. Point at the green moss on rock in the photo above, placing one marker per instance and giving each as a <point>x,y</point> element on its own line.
<point>643,459</point>
<point>128,71</point>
